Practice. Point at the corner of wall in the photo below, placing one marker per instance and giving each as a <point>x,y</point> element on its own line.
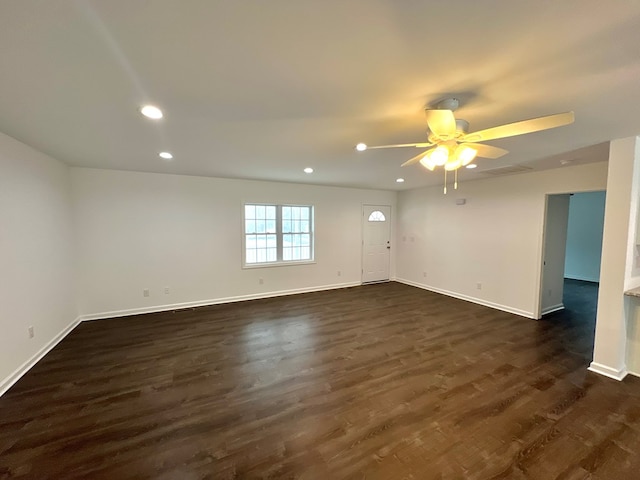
<point>616,374</point>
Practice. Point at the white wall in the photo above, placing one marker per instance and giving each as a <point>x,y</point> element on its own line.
<point>36,262</point>
<point>494,239</point>
<point>614,341</point>
<point>555,243</point>
<point>141,230</point>
<point>584,236</point>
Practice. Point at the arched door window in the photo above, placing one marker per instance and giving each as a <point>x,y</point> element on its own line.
<point>377,216</point>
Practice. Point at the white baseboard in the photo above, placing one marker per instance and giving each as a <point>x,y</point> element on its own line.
<point>553,308</point>
<point>479,301</point>
<point>616,374</point>
<point>215,301</point>
<point>635,374</point>
<point>8,382</point>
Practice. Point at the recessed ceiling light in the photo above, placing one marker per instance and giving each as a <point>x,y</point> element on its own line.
<point>165,155</point>
<point>150,111</point>
<point>472,165</point>
<point>361,147</point>
<point>308,170</point>
<point>400,180</point>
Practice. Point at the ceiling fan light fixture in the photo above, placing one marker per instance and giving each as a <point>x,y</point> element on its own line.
<point>466,154</point>
<point>439,155</point>
<point>453,164</point>
<point>427,162</point>
<point>452,147</point>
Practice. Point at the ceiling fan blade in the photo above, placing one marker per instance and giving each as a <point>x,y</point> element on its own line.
<point>417,145</point>
<point>520,128</point>
<point>487,151</point>
<point>442,123</point>
<point>415,159</point>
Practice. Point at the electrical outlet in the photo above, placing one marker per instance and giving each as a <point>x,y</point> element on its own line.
<point>424,274</point>
<point>479,286</point>
<point>31,332</point>
<point>145,292</point>
<point>339,273</point>
<point>166,290</point>
<point>261,281</point>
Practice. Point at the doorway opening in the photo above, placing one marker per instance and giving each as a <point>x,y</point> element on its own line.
<point>572,250</point>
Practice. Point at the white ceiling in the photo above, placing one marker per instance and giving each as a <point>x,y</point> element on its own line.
<point>256,89</point>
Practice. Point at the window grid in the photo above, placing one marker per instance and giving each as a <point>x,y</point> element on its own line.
<point>277,233</point>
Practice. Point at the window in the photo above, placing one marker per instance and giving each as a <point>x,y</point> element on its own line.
<point>377,216</point>
<point>277,234</point>
<point>260,233</point>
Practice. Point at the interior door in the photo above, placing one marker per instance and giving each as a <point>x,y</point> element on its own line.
<point>553,253</point>
<point>376,243</point>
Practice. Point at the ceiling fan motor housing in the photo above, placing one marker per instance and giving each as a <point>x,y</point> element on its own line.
<point>462,127</point>
<point>448,104</point>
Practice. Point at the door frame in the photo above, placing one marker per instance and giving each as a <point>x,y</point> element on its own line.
<point>541,249</point>
<point>545,234</point>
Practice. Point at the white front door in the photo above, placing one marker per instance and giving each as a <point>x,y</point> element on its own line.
<point>376,246</point>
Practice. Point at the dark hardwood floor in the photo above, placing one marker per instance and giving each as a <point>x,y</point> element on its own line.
<point>382,381</point>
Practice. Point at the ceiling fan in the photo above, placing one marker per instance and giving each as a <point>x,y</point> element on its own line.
<point>450,145</point>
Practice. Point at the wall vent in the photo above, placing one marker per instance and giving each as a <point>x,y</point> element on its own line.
<point>507,170</point>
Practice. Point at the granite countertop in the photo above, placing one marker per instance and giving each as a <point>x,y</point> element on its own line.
<point>634,292</point>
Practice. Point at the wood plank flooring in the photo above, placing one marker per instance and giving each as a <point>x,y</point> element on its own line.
<point>382,381</point>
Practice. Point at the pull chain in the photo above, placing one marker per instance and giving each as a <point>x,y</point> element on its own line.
<point>455,183</point>
<point>445,182</point>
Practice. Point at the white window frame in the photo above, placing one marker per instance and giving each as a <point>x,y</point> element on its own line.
<point>279,237</point>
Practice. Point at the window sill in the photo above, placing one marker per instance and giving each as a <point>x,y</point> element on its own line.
<point>277,264</point>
